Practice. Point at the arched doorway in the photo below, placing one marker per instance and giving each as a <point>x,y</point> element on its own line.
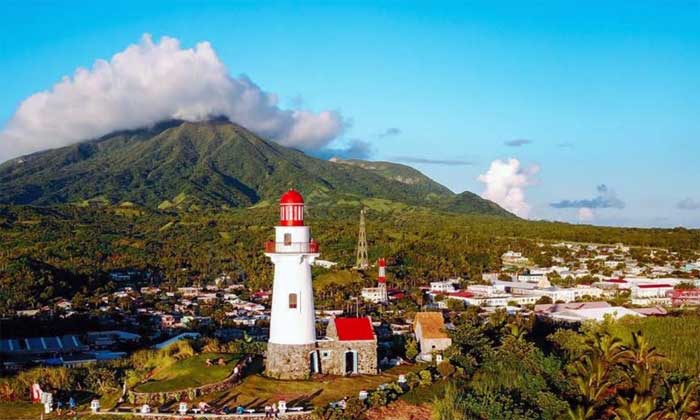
<point>350,362</point>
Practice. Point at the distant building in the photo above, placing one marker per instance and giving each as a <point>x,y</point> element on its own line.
<point>514,259</point>
<point>593,314</point>
<point>652,290</point>
<point>685,297</point>
<point>429,328</point>
<point>377,294</point>
<point>446,286</point>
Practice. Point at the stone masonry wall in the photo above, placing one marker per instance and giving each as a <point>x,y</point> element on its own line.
<point>286,361</point>
<point>335,363</point>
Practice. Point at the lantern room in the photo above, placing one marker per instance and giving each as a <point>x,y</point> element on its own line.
<point>292,209</point>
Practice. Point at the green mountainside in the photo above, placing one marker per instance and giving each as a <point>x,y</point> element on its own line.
<point>212,164</point>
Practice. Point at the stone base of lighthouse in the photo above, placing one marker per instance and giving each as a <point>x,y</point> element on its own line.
<point>289,361</point>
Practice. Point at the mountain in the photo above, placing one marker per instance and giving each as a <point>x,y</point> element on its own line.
<point>212,164</point>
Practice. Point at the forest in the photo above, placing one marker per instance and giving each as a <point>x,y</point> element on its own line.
<point>57,251</point>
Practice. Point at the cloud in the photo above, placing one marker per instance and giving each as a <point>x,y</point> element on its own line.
<point>351,149</point>
<point>506,182</point>
<point>605,199</point>
<point>517,142</point>
<point>688,204</point>
<point>448,162</point>
<point>390,132</point>
<point>585,214</point>
<point>153,81</point>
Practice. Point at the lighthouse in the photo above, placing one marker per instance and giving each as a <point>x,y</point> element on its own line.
<point>292,318</point>
<point>381,281</point>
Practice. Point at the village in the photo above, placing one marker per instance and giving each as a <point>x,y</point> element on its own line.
<point>295,340</point>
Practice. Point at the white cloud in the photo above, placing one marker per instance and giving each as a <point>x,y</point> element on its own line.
<point>585,214</point>
<point>149,82</point>
<point>506,181</point>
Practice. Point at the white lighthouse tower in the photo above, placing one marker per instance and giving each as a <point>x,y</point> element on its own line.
<point>292,320</point>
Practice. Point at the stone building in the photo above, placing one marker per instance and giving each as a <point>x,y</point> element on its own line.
<point>350,347</point>
<point>429,328</point>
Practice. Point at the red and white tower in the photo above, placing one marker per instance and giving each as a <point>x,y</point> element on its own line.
<point>381,280</point>
<point>292,319</point>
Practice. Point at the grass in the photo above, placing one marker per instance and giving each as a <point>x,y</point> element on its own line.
<point>20,410</point>
<point>257,390</point>
<point>189,373</point>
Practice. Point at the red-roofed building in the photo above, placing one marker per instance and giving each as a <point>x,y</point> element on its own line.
<point>685,297</point>
<point>352,329</point>
<point>350,347</point>
<point>649,290</point>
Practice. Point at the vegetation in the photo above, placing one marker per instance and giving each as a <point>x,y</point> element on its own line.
<point>676,337</point>
<point>52,252</point>
<point>214,164</point>
<point>589,374</point>
<point>190,373</point>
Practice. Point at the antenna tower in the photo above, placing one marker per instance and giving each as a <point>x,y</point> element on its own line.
<point>362,261</point>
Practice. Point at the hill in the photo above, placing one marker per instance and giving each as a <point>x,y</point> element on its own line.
<point>211,164</point>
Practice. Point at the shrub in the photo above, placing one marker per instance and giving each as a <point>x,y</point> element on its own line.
<point>411,348</point>
<point>426,378</point>
<point>446,369</point>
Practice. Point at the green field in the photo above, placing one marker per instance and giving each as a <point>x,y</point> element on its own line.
<point>675,337</point>
<point>257,390</point>
<point>189,373</point>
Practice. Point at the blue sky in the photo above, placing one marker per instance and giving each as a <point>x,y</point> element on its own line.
<point>605,93</point>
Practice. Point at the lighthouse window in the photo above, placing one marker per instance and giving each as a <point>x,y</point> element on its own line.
<point>287,238</point>
<point>292,301</point>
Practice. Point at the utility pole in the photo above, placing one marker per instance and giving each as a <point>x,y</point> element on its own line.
<point>362,261</point>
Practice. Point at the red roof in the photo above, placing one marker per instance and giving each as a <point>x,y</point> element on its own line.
<point>291,197</point>
<point>461,294</point>
<point>616,281</point>
<point>350,329</point>
<point>653,286</point>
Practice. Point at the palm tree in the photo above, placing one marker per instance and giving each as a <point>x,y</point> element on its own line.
<point>682,401</point>
<point>590,375</point>
<point>641,407</point>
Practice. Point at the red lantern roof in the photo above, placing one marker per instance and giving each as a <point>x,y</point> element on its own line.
<point>291,197</point>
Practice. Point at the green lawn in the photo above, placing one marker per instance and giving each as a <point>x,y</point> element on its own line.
<point>188,373</point>
<point>257,390</point>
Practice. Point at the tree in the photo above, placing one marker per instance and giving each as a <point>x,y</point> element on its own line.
<point>411,347</point>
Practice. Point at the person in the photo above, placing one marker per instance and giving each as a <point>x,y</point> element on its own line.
<point>274,410</point>
<point>59,407</point>
<point>268,412</point>
<point>240,410</point>
<point>71,403</point>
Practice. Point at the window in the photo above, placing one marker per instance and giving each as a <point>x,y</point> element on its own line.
<point>325,354</point>
<point>287,238</point>
<point>292,301</point>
